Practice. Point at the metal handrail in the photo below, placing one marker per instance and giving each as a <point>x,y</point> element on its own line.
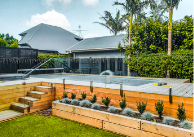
<point>32,67</point>
<point>36,68</point>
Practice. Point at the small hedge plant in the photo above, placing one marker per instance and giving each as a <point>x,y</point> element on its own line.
<point>75,102</point>
<point>95,106</point>
<point>159,108</point>
<point>93,100</point>
<point>111,109</point>
<point>181,112</point>
<point>106,101</point>
<point>185,124</point>
<point>128,112</point>
<point>65,95</point>
<point>147,116</point>
<point>84,103</point>
<point>66,100</point>
<point>168,120</point>
<point>73,96</point>
<point>83,95</point>
<point>123,104</point>
<point>59,99</point>
<point>141,107</point>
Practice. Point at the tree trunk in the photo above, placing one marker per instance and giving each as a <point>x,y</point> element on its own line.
<point>170,32</point>
<point>130,28</point>
<point>170,36</point>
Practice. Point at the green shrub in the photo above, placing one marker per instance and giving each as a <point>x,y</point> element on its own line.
<point>83,95</point>
<point>3,43</point>
<point>159,108</point>
<point>93,100</point>
<point>14,44</point>
<point>73,96</point>
<point>65,95</point>
<point>141,107</point>
<point>106,101</point>
<point>181,112</point>
<point>59,98</point>
<point>111,109</point>
<point>123,104</point>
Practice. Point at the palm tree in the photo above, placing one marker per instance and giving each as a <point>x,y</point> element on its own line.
<point>170,4</point>
<point>158,11</point>
<point>132,7</point>
<point>115,25</point>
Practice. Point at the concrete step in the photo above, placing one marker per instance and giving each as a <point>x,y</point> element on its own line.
<point>36,94</point>
<point>43,89</point>
<point>23,108</point>
<point>9,114</point>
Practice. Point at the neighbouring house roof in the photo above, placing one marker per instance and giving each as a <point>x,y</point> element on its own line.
<point>98,43</point>
<point>47,37</point>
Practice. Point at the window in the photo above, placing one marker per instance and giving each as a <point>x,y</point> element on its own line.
<point>112,65</point>
<point>119,64</point>
<point>74,64</point>
<point>103,65</point>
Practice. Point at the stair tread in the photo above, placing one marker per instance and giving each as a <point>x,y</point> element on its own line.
<point>38,92</point>
<point>6,114</point>
<point>21,105</point>
<point>30,98</point>
<point>43,86</point>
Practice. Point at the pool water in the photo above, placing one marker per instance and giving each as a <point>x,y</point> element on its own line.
<point>101,79</point>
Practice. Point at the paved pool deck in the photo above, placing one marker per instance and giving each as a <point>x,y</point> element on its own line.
<point>179,88</point>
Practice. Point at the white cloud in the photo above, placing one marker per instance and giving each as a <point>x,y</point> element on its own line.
<point>50,3</point>
<point>90,3</point>
<point>91,35</point>
<point>50,17</point>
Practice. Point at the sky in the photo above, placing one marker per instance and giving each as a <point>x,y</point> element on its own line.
<point>17,16</point>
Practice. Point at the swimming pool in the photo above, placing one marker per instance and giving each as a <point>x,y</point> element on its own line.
<point>101,79</point>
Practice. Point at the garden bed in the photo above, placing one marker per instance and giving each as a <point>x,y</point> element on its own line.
<point>130,126</point>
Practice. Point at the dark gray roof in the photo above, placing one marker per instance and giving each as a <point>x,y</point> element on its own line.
<point>98,43</point>
<point>47,37</point>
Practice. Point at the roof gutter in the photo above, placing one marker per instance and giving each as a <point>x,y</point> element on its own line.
<point>95,49</point>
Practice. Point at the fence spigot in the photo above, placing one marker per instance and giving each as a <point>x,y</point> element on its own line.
<point>91,86</point>
<point>121,90</point>
<point>170,95</point>
<point>63,83</point>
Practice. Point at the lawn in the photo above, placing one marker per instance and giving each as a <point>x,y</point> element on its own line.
<point>51,126</point>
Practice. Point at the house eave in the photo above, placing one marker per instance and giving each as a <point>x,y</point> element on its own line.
<point>95,49</point>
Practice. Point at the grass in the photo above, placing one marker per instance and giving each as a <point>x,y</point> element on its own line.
<point>52,126</point>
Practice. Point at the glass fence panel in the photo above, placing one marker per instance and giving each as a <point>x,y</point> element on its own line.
<point>97,70</point>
